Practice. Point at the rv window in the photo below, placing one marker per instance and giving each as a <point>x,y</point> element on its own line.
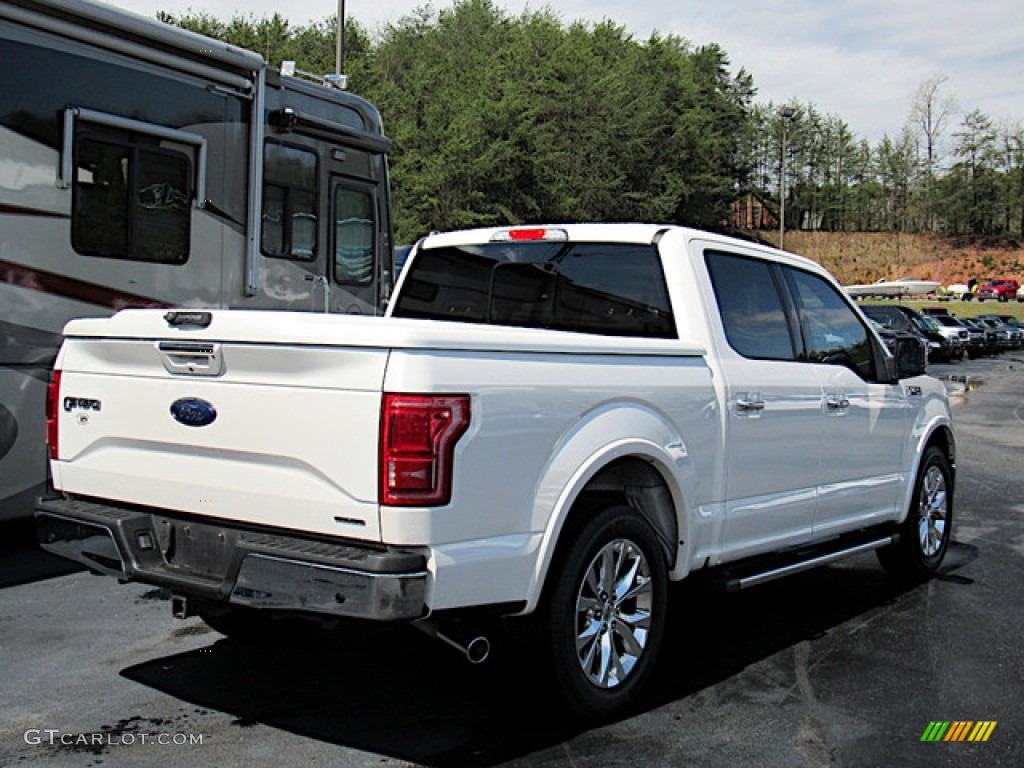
<point>353,236</point>
<point>131,201</point>
<point>289,203</point>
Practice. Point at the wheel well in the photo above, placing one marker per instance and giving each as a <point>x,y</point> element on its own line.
<point>636,483</point>
<point>943,440</point>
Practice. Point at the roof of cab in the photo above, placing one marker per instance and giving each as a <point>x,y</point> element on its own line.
<point>610,233</point>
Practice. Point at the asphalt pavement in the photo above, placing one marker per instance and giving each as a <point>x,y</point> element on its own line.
<point>836,667</point>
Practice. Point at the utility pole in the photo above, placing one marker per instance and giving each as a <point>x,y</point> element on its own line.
<point>788,115</point>
<point>339,52</point>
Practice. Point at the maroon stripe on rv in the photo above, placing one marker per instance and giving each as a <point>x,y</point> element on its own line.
<point>17,210</point>
<point>68,287</point>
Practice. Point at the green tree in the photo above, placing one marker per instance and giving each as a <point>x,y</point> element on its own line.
<point>505,120</point>
<point>1011,170</point>
<point>971,186</point>
<point>500,119</point>
<point>896,163</point>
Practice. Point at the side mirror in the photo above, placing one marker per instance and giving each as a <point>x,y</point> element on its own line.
<point>911,356</point>
<point>900,357</point>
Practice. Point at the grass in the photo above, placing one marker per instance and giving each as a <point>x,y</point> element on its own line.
<point>961,308</point>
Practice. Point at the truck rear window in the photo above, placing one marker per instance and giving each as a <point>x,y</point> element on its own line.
<point>611,289</point>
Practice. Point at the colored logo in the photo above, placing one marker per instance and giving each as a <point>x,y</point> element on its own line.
<point>193,412</point>
<point>958,730</point>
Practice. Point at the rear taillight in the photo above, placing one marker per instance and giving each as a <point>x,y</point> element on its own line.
<point>417,446</point>
<point>52,413</point>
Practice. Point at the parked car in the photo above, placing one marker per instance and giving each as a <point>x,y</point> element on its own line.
<point>992,345</point>
<point>1012,321</point>
<point>1011,336</point>
<point>940,347</point>
<point>1000,290</point>
<point>972,339</point>
<point>1007,319</point>
<point>1002,335</point>
<point>1020,294</point>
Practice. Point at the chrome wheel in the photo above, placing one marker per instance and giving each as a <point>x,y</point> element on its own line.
<point>932,511</point>
<point>605,611</point>
<point>613,613</point>
<point>925,534</point>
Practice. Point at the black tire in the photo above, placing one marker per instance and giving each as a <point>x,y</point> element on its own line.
<point>928,529</point>
<point>582,616</point>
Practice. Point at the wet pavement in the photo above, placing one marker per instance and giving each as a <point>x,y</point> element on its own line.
<point>836,667</point>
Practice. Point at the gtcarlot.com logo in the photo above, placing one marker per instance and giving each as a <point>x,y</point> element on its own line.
<point>57,738</point>
<point>958,730</point>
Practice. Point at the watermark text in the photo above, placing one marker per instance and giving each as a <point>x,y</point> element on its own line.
<point>56,737</point>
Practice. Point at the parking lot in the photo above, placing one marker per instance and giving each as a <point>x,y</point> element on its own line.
<point>834,667</point>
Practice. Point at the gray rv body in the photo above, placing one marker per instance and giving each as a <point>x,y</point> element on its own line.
<point>144,165</point>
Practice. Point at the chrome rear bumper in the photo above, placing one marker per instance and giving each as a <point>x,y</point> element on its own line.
<point>220,561</point>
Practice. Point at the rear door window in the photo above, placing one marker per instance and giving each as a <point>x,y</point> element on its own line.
<point>751,306</point>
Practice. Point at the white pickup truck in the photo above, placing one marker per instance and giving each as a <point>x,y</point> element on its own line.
<point>551,423</point>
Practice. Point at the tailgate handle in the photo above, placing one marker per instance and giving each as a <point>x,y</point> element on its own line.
<point>188,319</point>
<point>184,358</point>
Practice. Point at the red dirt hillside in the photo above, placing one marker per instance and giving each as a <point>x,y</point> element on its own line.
<point>864,257</point>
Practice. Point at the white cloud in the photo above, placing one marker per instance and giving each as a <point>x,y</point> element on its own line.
<point>859,59</point>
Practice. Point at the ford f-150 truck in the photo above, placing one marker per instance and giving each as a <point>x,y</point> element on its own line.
<point>550,425</point>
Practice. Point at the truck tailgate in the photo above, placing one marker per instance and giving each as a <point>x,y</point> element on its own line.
<point>262,433</point>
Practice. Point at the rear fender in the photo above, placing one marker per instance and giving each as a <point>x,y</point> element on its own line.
<point>608,434</point>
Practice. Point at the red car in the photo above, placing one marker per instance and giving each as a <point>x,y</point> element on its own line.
<point>1000,290</point>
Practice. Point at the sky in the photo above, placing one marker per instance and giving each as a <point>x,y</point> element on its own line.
<point>861,60</point>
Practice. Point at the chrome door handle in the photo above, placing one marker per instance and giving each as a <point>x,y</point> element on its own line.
<point>837,402</point>
<point>750,403</point>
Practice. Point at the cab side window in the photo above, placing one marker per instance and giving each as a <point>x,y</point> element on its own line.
<point>752,310</point>
<point>833,334</point>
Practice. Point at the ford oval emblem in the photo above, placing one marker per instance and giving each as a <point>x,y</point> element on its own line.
<point>193,412</point>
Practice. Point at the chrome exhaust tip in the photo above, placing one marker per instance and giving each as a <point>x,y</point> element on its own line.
<point>476,648</point>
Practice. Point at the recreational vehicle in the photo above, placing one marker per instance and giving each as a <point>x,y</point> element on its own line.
<point>142,165</point>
